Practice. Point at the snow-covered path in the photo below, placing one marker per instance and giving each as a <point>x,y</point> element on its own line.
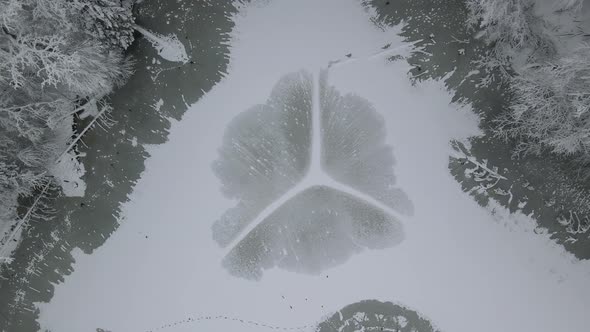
<point>458,264</point>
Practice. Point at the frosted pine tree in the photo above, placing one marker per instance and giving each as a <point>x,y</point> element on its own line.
<point>512,30</point>
<point>108,20</point>
<point>551,108</point>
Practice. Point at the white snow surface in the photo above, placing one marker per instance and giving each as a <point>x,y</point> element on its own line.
<point>459,265</point>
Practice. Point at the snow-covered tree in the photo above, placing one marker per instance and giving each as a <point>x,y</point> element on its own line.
<point>551,107</point>
<point>52,66</point>
<point>550,83</point>
<point>512,30</point>
<point>52,53</point>
<point>109,20</point>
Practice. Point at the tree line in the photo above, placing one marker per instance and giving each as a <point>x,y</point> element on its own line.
<point>539,48</point>
<point>58,59</point>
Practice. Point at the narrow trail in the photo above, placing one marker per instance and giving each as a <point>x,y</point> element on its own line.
<point>315,162</point>
<point>197,319</point>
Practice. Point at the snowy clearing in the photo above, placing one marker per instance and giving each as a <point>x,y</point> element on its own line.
<point>457,264</point>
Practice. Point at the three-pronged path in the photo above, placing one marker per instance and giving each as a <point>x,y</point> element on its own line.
<point>311,168</point>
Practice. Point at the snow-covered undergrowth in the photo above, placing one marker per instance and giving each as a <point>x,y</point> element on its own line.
<point>540,47</point>
<point>522,32</point>
<point>457,263</point>
<point>57,59</point>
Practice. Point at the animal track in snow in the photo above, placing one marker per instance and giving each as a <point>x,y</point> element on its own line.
<point>313,178</point>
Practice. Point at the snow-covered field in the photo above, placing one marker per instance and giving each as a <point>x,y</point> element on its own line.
<point>447,258</point>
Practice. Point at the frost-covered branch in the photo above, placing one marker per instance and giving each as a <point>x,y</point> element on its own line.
<point>512,29</point>
<point>487,176</point>
<point>551,109</point>
<point>549,80</point>
<point>22,221</point>
<point>105,108</point>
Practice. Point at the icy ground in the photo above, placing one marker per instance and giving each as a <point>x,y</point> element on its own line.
<point>287,250</point>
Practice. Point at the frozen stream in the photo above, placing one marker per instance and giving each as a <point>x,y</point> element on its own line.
<point>310,173</point>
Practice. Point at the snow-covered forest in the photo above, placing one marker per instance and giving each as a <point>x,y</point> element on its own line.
<point>59,59</point>
<point>283,160</point>
<point>539,48</point>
